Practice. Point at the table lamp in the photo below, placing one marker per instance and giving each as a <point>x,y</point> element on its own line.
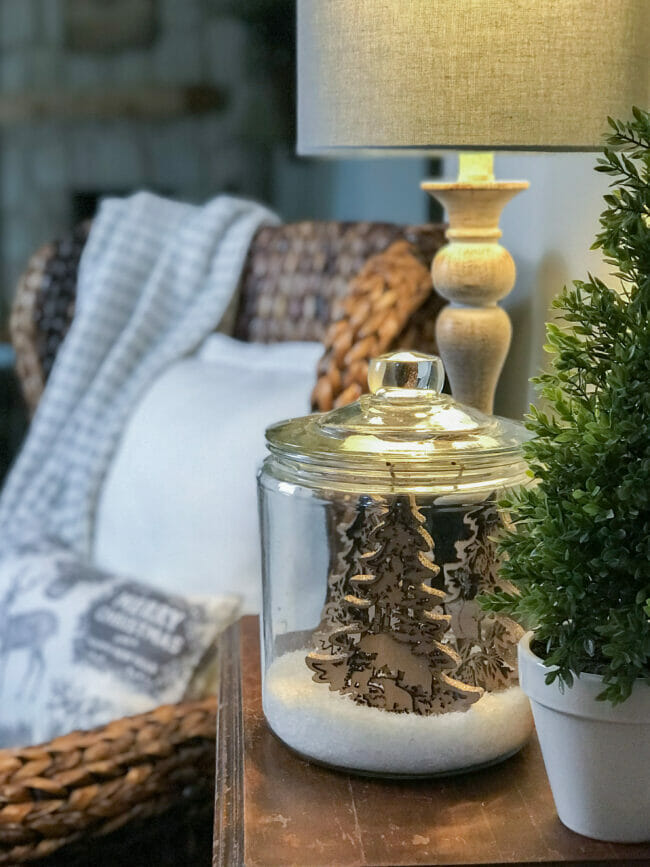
<point>408,76</point>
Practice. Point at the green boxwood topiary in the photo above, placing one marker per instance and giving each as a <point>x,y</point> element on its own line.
<point>578,552</point>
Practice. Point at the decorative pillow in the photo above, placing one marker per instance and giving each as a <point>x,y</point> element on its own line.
<point>179,504</point>
<point>79,646</point>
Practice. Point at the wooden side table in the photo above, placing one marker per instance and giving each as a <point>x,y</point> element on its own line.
<point>273,808</point>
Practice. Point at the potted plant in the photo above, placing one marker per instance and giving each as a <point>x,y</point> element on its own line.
<point>578,550</point>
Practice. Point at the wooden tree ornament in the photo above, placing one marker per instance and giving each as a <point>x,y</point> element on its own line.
<point>351,540</point>
<point>386,650</point>
<point>485,642</point>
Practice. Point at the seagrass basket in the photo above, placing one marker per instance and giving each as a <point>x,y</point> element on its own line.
<point>361,289</point>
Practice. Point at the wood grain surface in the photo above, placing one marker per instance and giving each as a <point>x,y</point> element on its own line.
<point>273,808</point>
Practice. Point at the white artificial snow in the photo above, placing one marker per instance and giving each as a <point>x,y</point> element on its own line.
<point>332,728</point>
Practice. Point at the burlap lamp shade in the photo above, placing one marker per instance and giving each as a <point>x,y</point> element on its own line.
<point>428,75</point>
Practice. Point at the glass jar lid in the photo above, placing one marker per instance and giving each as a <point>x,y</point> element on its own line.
<point>404,425</point>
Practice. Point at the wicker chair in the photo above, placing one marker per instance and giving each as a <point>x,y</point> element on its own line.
<point>361,288</point>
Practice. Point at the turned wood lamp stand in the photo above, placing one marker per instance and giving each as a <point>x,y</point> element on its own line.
<point>473,272</point>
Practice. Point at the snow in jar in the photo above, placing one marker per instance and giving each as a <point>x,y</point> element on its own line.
<point>378,523</point>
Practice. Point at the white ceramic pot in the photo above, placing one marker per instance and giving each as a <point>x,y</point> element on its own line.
<point>597,756</point>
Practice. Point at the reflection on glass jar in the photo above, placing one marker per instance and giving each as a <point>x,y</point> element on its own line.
<point>378,525</point>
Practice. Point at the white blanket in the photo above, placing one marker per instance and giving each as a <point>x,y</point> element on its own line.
<point>155,278</point>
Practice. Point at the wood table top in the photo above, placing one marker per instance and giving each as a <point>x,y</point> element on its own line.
<point>273,808</point>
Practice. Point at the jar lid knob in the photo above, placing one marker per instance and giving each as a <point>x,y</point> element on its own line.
<point>413,371</point>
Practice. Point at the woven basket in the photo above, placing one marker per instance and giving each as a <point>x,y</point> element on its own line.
<point>361,288</point>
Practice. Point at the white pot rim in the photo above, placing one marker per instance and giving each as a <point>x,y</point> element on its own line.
<point>579,699</point>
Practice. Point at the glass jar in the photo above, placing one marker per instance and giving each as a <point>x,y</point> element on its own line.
<point>377,531</point>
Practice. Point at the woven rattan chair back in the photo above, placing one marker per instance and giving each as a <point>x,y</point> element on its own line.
<point>293,278</point>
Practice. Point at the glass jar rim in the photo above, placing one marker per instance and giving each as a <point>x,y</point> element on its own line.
<point>405,426</point>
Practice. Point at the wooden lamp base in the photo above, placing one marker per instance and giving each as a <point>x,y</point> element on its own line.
<point>473,272</point>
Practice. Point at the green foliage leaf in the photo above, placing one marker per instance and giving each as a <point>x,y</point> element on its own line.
<point>578,551</point>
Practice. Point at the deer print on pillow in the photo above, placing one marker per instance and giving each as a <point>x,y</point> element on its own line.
<point>27,633</point>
